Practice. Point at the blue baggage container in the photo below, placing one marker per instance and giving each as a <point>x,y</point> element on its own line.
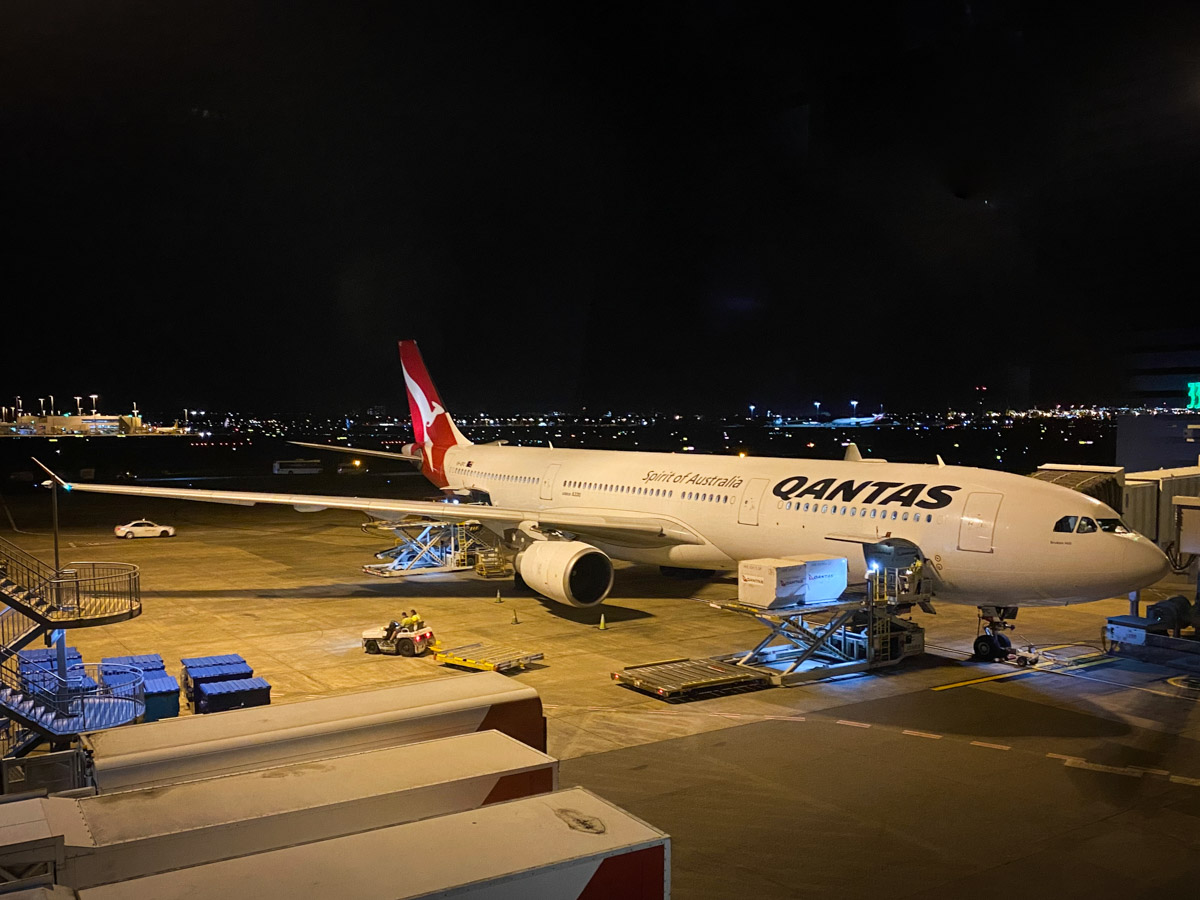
<point>50,683</point>
<point>195,677</point>
<point>46,657</point>
<point>226,659</point>
<point>218,696</point>
<point>162,697</point>
<point>147,662</point>
<point>205,662</point>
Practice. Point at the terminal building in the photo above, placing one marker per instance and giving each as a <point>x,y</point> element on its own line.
<point>87,425</point>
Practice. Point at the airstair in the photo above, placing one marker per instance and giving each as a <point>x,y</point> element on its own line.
<point>45,698</point>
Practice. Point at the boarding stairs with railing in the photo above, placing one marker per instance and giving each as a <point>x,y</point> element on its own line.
<point>39,599</point>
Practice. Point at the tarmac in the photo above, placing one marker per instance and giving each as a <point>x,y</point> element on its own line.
<point>940,777</point>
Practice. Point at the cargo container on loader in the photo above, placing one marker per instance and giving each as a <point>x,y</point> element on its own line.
<point>174,750</point>
<point>131,834</point>
<point>569,845</point>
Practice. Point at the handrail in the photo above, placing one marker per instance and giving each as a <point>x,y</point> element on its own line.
<point>68,698</point>
<point>15,626</point>
<point>87,590</point>
<point>57,701</point>
<point>10,552</point>
<point>78,592</point>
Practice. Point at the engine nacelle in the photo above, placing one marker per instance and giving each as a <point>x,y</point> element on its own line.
<point>567,571</point>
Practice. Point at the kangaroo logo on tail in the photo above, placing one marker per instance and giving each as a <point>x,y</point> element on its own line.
<point>433,429</point>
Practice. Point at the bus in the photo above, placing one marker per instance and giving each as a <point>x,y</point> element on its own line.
<point>297,467</point>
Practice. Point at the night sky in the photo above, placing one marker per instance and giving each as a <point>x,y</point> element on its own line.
<point>685,206</point>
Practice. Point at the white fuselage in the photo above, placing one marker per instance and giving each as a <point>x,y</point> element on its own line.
<point>989,537</point>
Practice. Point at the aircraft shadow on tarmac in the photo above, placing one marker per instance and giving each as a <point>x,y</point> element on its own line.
<point>591,615</point>
<point>986,712</point>
<point>404,593</point>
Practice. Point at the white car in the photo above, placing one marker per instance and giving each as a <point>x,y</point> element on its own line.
<point>144,528</point>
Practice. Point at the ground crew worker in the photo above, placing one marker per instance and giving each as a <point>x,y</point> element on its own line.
<point>417,621</point>
<point>914,575</point>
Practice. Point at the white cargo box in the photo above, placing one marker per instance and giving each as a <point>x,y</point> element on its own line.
<point>241,740</point>
<point>561,846</point>
<point>778,583</point>
<point>131,834</point>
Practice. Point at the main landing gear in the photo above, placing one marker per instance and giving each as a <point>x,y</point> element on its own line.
<point>993,644</point>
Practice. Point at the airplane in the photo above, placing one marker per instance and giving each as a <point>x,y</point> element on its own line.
<point>989,539</point>
<point>855,421</point>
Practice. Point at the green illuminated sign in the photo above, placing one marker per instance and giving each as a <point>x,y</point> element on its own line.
<point>1193,395</point>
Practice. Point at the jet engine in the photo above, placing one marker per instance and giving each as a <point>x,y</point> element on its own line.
<point>570,572</point>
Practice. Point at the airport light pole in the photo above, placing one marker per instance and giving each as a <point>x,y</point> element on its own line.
<point>51,404</point>
<point>93,396</point>
<point>79,404</point>
<point>42,404</point>
<point>853,408</point>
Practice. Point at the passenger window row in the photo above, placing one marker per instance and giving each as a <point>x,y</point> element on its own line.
<point>619,489</point>
<point>493,476</point>
<point>835,510</point>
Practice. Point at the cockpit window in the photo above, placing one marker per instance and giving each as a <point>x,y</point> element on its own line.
<point>1086,526</point>
<point>1113,526</point>
<point>1066,524</point>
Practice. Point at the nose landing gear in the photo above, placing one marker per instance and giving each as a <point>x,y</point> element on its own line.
<point>993,644</point>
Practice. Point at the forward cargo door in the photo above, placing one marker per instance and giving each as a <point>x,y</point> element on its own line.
<point>751,498</point>
<point>979,522</point>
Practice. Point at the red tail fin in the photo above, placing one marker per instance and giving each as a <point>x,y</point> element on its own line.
<point>433,430</point>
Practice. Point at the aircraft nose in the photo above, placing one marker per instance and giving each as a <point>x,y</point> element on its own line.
<point>1145,563</point>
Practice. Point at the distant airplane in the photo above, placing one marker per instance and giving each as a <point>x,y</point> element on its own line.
<point>876,419</point>
<point>988,539</point>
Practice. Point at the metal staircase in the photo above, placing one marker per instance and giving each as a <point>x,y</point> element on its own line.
<point>39,599</point>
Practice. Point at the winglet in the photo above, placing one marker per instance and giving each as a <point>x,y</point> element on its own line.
<point>941,462</point>
<point>852,454</point>
<point>50,472</point>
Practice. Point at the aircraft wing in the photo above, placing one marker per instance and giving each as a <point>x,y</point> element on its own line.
<point>616,528</point>
<point>386,454</point>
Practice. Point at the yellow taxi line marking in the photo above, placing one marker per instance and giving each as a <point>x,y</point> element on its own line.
<point>1064,668</point>
<point>990,746</point>
<point>946,687</point>
<point>1088,661</point>
<point>1096,767</point>
<point>1149,771</point>
<point>853,724</point>
<point>924,734</point>
<point>1060,756</point>
<point>1179,779</point>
